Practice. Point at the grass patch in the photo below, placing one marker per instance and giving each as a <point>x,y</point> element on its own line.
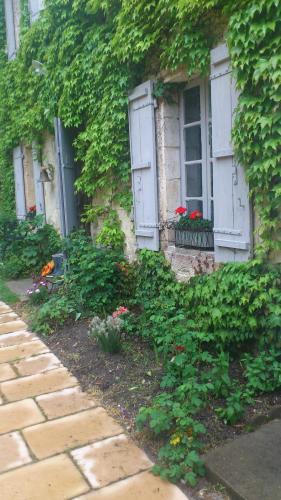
<point>6,295</point>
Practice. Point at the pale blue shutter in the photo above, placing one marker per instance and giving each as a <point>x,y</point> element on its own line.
<point>19,182</point>
<point>144,168</point>
<point>10,29</point>
<point>38,185</point>
<point>67,176</point>
<point>232,213</point>
<point>35,6</point>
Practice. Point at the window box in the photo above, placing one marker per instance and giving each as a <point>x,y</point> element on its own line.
<point>200,238</point>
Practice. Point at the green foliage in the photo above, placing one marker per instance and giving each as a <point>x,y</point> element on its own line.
<point>111,234</point>
<point>219,340</point>
<point>52,314</point>
<point>93,276</point>
<point>6,295</point>
<point>28,247</point>
<point>254,40</point>
<point>95,51</point>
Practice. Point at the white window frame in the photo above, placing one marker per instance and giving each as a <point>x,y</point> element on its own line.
<point>206,160</point>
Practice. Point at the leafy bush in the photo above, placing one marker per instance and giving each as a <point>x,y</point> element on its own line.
<point>93,275</point>
<point>200,329</point>
<point>28,246</point>
<point>52,314</point>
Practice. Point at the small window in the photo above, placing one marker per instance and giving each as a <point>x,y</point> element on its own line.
<point>197,149</point>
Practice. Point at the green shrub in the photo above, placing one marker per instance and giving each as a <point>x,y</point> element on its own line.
<point>94,275</point>
<point>200,329</point>
<point>28,247</point>
<point>53,314</point>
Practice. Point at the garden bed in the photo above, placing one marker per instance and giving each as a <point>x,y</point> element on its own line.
<point>125,382</point>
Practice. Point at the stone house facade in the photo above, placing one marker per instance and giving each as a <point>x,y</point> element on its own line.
<point>181,155</point>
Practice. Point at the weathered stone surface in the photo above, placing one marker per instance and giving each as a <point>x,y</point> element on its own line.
<point>65,402</point>
<point>249,466</point>
<point>18,415</point>
<point>12,326</point>
<point>38,364</point>
<point>27,349</point>
<point>110,460</point>
<point>70,432</point>
<point>143,486</point>
<point>35,385</point>
<point>4,309</point>
<point>13,452</point>
<point>6,372</point>
<point>16,338</point>
<point>53,479</point>
<point>10,316</point>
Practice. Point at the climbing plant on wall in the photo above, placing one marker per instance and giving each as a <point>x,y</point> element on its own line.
<point>95,51</point>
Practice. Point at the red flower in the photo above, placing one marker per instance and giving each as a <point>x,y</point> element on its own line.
<point>32,209</point>
<point>180,210</point>
<point>119,311</point>
<point>180,348</point>
<point>196,214</point>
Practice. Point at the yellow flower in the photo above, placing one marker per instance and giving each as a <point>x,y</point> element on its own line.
<point>175,440</point>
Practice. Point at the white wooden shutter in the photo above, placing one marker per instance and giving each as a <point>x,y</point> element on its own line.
<point>10,29</point>
<point>143,163</point>
<point>19,182</point>
<point>232,213</point>
<point>38,185</point>
<point>67,177</point>
<point>35,6</point>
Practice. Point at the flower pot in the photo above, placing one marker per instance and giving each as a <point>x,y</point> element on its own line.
<point>195,238</point>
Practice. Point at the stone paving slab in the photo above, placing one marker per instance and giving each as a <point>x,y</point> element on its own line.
<point>12,326</point>
<point>53,479</point>
<point>55,442</point>
<point>37,364</point>
<point>110,460</point>
<point>17,338</point>
<point>62,403</point>
<point>6,317</point>
<point>250,466</point>
<point>143,486</point>
<point>34,385</point>
<point>19,415</point>
<point>12,353</point>
<point>14,452</point>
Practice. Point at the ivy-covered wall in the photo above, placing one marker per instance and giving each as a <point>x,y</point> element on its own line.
<point>94,51</point>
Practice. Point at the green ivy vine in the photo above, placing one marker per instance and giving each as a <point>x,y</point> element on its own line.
<point>95,51</point>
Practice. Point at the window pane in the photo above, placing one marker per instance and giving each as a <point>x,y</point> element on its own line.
<point>192,111</point>
<point>194,180</point>
<point>193,147</point>
<point>192,205</point>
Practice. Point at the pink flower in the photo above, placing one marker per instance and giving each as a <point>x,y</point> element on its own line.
<point>119,311</point>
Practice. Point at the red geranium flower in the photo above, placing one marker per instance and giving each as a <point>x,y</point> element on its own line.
<point>32,209</point>
<point>180,348</point>
<point>180,210</point>
<point>196,214</point>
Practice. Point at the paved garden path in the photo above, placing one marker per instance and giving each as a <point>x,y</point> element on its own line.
<point>56,443</point>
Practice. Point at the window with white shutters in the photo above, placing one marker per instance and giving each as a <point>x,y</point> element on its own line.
<point>196,146</point>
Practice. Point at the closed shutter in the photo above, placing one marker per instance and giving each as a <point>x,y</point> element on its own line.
<point>232,213</point>
<point>143,163</point>
<point>67,177</point>
<point>35,6</point>
<point>19,182</point>
<point>38,185</point>
<point>10,30</point>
